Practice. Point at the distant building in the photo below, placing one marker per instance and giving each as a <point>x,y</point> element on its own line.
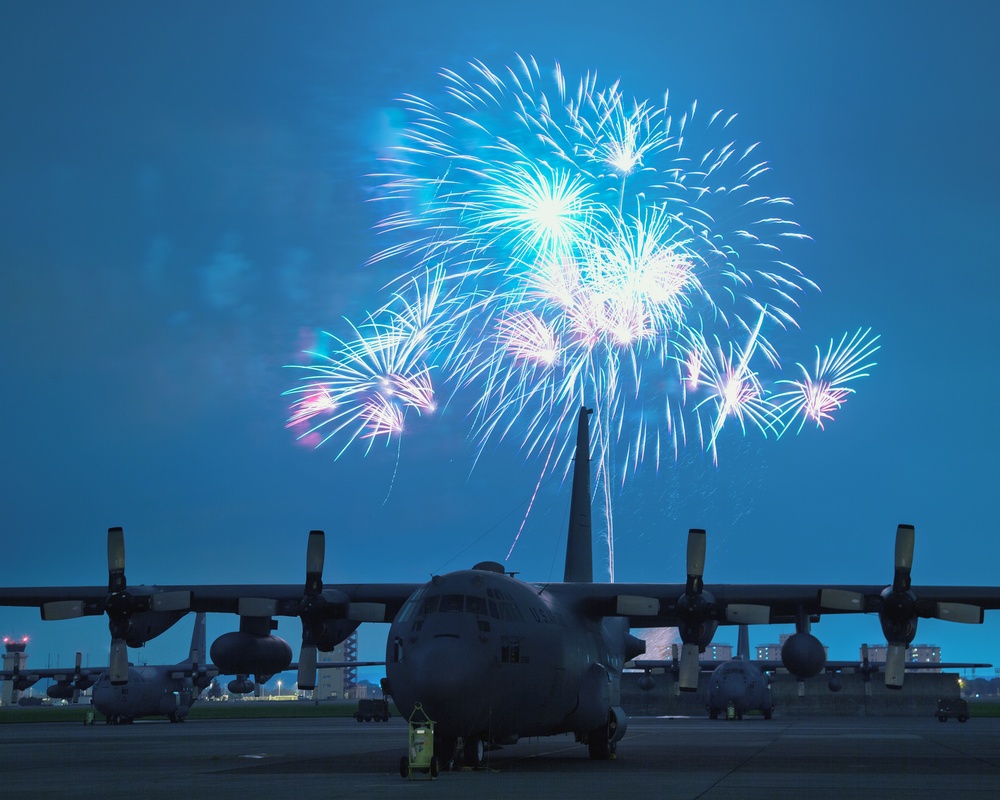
<point>14,657</point>
<point>330,682</point>
<point>915,653</point>
<point>772,652</point>
<point>718,652</point>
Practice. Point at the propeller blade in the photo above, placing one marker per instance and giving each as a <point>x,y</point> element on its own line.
<point>119,662</point>
<point>895,661</point>
<point>172,601</point>
<point>689,669</point>
<point>62,609</point>
<point>904,557</point>
<point>696,553</point>
<point>315,554</point>
<point>116,560</point>
<point>307,667</point>
<point>748,614</point>
<point>959,612</point>
<point>841,600</point>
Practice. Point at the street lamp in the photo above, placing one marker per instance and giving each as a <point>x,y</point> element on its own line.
<point>279,689</point>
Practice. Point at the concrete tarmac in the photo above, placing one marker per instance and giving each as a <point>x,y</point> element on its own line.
<point>676,758</point>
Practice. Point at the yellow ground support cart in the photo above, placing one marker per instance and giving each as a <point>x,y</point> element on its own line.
<point>420,763</point>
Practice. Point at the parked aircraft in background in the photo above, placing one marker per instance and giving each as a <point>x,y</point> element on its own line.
<point>151,691</point>
<point>492,658</point>
<point>743,685</point>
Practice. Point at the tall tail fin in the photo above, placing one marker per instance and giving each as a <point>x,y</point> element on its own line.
<point>198,653</point>
<point>743,643</point>
<point>579,541</point>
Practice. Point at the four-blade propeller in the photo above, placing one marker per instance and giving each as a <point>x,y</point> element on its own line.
<point>899,608</point>
<point>699,614</point>
<point>120,606</point>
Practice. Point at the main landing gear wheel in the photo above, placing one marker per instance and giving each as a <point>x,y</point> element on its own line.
<point>599,746</point>
<point>474,752</point>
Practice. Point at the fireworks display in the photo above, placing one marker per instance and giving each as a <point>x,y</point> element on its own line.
<point>558,245</point>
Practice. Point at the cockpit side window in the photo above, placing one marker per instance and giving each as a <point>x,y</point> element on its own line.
<point>476,605</point>
<point>452,602</point>
<point>411,605</point>
<point>430,605</point>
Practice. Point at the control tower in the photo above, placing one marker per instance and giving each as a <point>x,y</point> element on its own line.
<point>14,657</point>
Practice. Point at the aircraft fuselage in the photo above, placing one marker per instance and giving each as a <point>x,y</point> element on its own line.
<point>150,692</point>
<point>741,685</point>
<point>488,656</point>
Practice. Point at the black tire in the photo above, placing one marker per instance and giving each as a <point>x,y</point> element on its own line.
<point>434,766</point>
<point>599,744</point>
<point>942,718</point>
<point>404,767</point>
<point>474,752</point>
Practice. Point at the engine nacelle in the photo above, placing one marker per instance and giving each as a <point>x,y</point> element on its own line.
<point>333,632</point>
<point>22,682</point>
<point>241,653</point>
<point>696,625</point>
<point>836,683</point>
<point>803,655</point>
<point>634,646</point>
<point>898,616</point>
<point>147,625</point>
<point>646,682</point>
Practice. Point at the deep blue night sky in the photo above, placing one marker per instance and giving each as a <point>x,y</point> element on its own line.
<point>183,203</point>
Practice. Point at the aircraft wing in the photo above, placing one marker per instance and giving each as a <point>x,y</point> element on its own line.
<point>57,673</point>
<point>61,602</point>
<point>706,665</point>
<point>655,605</point>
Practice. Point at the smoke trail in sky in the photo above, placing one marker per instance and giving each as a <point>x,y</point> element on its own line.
<point>560,245</point>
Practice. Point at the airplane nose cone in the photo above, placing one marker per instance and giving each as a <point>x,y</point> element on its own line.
<point>448,677</point>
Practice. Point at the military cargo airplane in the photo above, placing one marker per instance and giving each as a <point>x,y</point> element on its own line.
<point>742,684</point>
<point>492,658</point>
<point>151,691</point>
